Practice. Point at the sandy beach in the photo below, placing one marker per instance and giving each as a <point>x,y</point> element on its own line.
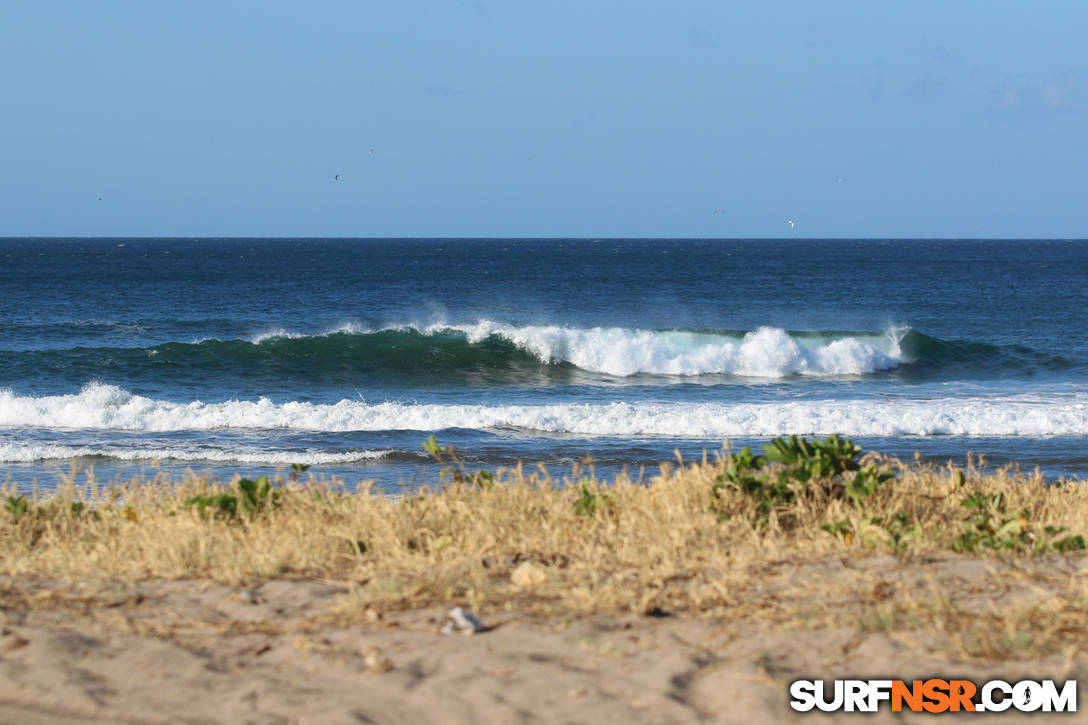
<point>287,651</point>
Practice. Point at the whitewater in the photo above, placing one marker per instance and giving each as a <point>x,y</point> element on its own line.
<point>765,352</point>
<point>106,407</point>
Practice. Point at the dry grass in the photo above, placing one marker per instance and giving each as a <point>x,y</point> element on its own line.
<point>673,546</point>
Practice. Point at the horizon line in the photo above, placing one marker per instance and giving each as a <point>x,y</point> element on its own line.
<point>540,238</point>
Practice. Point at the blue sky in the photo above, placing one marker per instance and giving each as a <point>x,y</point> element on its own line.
<point>590,118</point>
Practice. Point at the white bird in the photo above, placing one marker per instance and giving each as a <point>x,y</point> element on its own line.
<point>790,222</point>
<point>371,152</point>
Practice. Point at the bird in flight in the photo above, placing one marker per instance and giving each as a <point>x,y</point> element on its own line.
<point>790,222</point>
<point>371,152</point>
<point>719,210</point>
<point>337,177</point>
<point>839,180</point>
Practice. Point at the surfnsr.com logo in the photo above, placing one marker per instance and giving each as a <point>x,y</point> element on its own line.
<point>933,695</point>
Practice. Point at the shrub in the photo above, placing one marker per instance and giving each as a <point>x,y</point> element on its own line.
<point>789,467</point>
<point>993,526</point>
<point>17,506</point>
<point>251,498</point>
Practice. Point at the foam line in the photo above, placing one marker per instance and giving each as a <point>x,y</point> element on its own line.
<point>106,407</point>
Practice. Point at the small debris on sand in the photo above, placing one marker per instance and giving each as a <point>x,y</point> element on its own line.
<point>463,621</point>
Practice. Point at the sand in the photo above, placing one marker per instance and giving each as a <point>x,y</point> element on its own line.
<point>286,652</point>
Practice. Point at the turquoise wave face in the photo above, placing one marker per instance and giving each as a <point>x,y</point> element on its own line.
<point>488,353</point>
<point>933,358</point>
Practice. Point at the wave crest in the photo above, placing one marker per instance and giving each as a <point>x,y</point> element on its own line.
<point>767,352</point>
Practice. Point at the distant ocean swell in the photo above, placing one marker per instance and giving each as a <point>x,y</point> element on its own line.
<point>106,407</point>
<point>349,354</point>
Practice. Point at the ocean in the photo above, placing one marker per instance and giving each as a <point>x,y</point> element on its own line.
<point>132,356</point>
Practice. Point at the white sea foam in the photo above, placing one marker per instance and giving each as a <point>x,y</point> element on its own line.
<point>767,352</point>
<point>31,453</point>
<point>107,407</point>
<point>273,334</point>
<point>283,333</point>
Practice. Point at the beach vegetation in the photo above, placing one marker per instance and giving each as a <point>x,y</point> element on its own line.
<point>991,525</point>
<point>17,506</point>
<point>591,497</point>
<point>246,499</point>
<point>453,468</point>
<point>795,467</point>
<point>807,460</point>
<point>698,539</point>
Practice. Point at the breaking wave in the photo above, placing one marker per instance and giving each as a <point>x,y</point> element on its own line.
<point>495,349</point>
<point>501,352</point>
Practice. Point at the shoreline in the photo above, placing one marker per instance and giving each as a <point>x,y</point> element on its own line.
<point>392,472</point>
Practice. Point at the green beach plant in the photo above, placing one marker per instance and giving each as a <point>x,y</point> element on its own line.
<point>17,506</point>
<point>249,499</point>
<point>895,531</point>
<point>791,466</point>
<point>864,483</point>
<point>590,498</point>
<point>993,526</point>
<point>807,460</point>
<point>453,468</point>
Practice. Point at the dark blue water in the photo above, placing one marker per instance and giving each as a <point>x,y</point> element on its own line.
<point>241,355</point>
